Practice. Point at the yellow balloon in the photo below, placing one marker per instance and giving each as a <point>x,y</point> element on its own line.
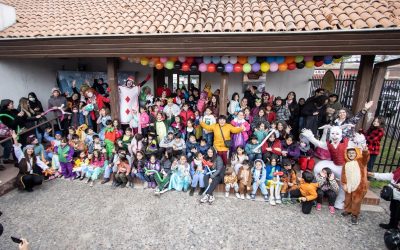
<point>337,60</point>
<point>264,67</point>
<point>310,64</point>
<point>144,61</point>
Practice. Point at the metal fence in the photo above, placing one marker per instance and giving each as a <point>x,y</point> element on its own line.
<point>388,107</point>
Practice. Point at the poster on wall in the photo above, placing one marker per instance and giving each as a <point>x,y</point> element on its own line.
<point>257,79</point>
<point>65,78</point>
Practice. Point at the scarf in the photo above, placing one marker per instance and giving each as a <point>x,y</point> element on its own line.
<point>396,175</point>
<point>62,153</point>
<point>353,175</point>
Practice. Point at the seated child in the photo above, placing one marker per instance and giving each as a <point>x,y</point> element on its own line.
<point>96,167</point>
<point>180,178</point>
<point>197,173</point>
<point>123,171</point>
<point>152,164</point>
<point>80,163</point>
<point>127,138</point>
<point>354,181</point>
<point>237,158</point>
<point>136,144</point>
<point>273,182</point>
<point>96,144</point>
<point>178,145</point>
<point>166,142</point>
<point>191,146</point>
<point>138,168</point>
<point>289,180</point>
<point>150,145</point>
<point>162,178</point>
<point>307,192</point>
<point>230,181</point>
<point>258,174</point>
<point>328,187</point>
<point>203,147</point>
<point>244,179</point>
<point>250,146</point>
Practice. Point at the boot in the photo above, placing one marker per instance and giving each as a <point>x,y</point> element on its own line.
<point>105,180</point>
<point>202,191</point>
<point>191,191</point>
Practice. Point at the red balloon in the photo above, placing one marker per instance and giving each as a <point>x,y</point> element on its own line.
<point>185,66</point>
<point>291,66</point>
<point>211,67</point>
<point>319,64</point>
<point>237,68</point>
<point>190,60</point>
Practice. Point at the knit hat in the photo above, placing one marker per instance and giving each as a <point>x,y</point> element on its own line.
<point>30,146</point>
<point>55,89</point>
<point>58,133</point>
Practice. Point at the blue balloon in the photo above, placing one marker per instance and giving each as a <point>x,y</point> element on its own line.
<point>327,61</point>
<point>271,59</point>
<point>216,59</point>
<point>207,59</point>
<point>280,59</point>
<point>252,59</point>
<point>229,67</point>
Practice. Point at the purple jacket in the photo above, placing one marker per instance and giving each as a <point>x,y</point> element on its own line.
<point>293,150</point>
<point>70,153</point>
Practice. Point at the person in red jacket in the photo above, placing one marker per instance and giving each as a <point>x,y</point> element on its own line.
<point>186,114</point>
<point>270,115</point>
<point>271,147</point>
<point>160,90</point>
<point>374,135</point>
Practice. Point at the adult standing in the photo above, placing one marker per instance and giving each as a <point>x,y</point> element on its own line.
<point>57,100</point>
<point>251,95</point>
<point>101,87</point>
<point>394,179</point>
<point>291,104</point>
<point>214,175</point>
<point>222,134</point>
<point>213,104</point>
<point>313,111</point>
<point>35,104</point>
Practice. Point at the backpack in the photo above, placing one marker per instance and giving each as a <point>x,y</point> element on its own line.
<point>392,239</point>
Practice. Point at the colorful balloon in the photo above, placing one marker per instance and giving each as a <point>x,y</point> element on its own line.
<point>185,67</point>
<point>233,59</point>
<point>308,58</point>
<point>242,59</point>
<point>280,59</point>
<point>169,65</point>
<point>163,59</point>
<point>173,58</point>
<point>155,59</point>
<point>198,60</point>
<point>264,67</point>
<point>337,60</point>
<point>291,66</point>
<point>299,59</point>
<point>273,67</point>
<point>271,59</point>
<point>211,67</point>
<point>319,64</point>
<point>229,67</point>
<point>225,59</point>
<point>216,59</point>
<point>300,65</point>
<point>252,59</point>
<point>220,67</point>
<point>328,58</point>
<point>190,60</point>
<point>151,64</point>
<point>237,68</point>
<point>310,64</point>
<point>177,65</point>
<point>327,61</point>
<point>144,61</point>
<point>159,65</point>
<point>247,68</point>
<point>136,59</point>
<point>282,67</point>
<point>182,59</point>
<point>289,59</point>
<point>194,67</point>
<point>318,58</point>
<point>207,59</point>
<point>203,67</point>
<point>255,67</point>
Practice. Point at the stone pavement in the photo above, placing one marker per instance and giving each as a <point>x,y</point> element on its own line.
<point>70,215</point>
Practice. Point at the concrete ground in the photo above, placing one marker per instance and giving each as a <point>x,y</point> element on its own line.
<point>71,215</point>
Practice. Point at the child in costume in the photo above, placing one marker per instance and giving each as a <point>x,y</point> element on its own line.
<point>180,178</point>
<point>161,127</point>
<point>289,180</point>
<point>65,155</point>
<point>258,175</point>
<point>80,163</point>
<point>273,182</point>
<point>245,179</point>
<point>126,139</point>
<point>237,158</point>
<point>307,192</point>
<point>306,160</point>
<point>197,173</point>
<point>150,145</point>
<point>111,134</point>
<point>354,181</point>
<point>241,138</point>
<point>151,164</point>
<point>328,187</point>
<point>251,145</point>
<point>230,181</point>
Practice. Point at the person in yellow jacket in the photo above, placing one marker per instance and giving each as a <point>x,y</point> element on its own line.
<point>219,137</point>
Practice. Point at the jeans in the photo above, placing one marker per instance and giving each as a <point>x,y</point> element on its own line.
<point>209,138</point>
<point>254,156</point>
<point>371,162</point>
<point>198,179</point>
<point>261,186</point>
<point>7,149</point>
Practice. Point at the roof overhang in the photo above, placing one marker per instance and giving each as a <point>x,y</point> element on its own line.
<point>352,42</point>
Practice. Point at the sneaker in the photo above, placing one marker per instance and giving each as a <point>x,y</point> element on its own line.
<point>191,191</point>
<point>266,198</point>
<point>91,184</point>
<point>248,196</point>
<point>238,195</point>
<point>354,220</point>
<point>344,214</point>
<point>242,196</point>
<point>332,209</point>
<point>278,201</point>
<point>148,184</point>
<point>211,199</point>
<point>145,184</point>
<point>226,194</point>
<point>105,180</point>
<point>157,192</point>
<point>319,206</point>
<point>272,201</point>
<point>253,197</point>
<point>205,198</point>
<point>88,180</point>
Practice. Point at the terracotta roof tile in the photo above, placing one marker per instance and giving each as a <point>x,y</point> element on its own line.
<point>41,18</point>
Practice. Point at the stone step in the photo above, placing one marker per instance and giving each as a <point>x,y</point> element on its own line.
<point>8,178</point>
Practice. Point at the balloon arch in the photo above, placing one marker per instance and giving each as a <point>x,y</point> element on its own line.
<point>235,64</point>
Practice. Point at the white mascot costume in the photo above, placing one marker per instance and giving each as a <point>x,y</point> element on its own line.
<point>337,148</point>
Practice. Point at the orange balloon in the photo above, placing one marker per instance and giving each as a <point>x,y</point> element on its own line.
<point>242,59</point>
<point>289,59</point>
<point>282,67</point>
<point>159,65</point>
<point>155,59</point>
<point>173,58</point>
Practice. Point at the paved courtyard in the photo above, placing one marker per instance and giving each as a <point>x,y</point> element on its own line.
<point>71,215</point>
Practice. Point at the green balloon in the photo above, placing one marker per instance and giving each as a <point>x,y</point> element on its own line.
<point>169,65</point>
<point>299,59</point>
<point>246,68</point>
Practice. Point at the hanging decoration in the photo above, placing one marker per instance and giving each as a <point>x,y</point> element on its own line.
<point>235,64</point>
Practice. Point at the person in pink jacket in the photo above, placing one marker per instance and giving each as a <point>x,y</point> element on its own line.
<point>241,138</point>
<point>144,121</point>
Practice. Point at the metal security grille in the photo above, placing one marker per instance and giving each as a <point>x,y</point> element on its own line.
<point>388,108</point>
